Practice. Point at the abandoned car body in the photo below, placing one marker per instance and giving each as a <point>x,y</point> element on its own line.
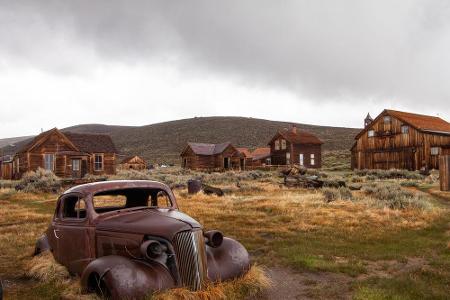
<point>128,239</point>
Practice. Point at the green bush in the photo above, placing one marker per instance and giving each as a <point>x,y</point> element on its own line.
<point>390,174</point>
<point>40,180</point>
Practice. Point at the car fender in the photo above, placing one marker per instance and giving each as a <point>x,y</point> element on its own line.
<point>42,245</point>
<point>228,261</point>
<point>126,278</point>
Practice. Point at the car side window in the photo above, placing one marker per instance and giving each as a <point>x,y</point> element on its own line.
<point>163,199</point>
<point>73,207</point>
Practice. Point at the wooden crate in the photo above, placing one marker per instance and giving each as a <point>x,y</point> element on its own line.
<point>444,172</point>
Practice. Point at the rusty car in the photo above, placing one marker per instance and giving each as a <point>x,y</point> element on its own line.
<point>128,239</point>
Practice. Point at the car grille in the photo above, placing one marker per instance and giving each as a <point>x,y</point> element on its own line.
<point>191,257</point>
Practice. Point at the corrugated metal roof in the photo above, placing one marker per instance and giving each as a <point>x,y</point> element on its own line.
<point>300,137</point>
<point>422,122</point>
<point>208,149</point>
<point>260,153</point>
<point>245,151</point>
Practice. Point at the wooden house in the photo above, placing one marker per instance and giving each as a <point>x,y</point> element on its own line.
<point>68,155</point>
<point>401,140</point>
<point>294,146</point>
<point>133,163</point>
<point>247,157</point>
<point>201,156</point>
<point>261,157</point>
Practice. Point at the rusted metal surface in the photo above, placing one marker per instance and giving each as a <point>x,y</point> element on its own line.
<point>132,250</point>
<point>444,172</point>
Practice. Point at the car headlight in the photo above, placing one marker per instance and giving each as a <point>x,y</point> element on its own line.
<point>152,249</point>
<point>214,238</point>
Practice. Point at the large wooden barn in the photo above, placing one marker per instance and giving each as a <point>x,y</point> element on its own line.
<point>67,154</point>
<point>401,140</point>
<point>201,156</point>
<point>294,146</point>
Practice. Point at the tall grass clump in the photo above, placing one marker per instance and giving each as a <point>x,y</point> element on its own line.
<point>40,180</point>
<point>342,193</point>
<point>394,197</point>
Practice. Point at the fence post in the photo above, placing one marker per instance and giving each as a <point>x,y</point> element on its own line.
<point>444,172</point>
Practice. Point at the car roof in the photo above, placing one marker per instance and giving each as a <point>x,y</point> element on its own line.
<point>98,187</point>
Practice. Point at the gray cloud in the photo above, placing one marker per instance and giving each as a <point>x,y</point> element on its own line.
<point>321,50</point>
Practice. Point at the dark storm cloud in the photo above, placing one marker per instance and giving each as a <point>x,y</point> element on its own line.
<point>319,49</point>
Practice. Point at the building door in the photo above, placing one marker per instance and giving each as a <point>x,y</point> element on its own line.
<point>242,164</point>
<point>226,162</point>
<point>76,168</point>
<point>288,158</point>
<point>84,167</point>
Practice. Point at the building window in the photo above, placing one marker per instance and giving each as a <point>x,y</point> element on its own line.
<point>312,158</point>
<point>301,159</point>
<point>387,120</point>
<point>268,161</point>
<point>288,158</point>
<point>371,133</point>
<point>434,150</point>
<point>98,162</point>
<point>277,145</point>
<point>49,161</point>
<point>75,165</point>
<point>405,129</point>
<point>283,144</point>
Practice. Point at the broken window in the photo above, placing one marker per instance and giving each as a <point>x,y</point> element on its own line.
<point>98,162</point>
<point>74,208</point>
<point>434,150</point>
<point>49,161</point>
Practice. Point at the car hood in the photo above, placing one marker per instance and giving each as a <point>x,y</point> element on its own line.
<point>158,222</point>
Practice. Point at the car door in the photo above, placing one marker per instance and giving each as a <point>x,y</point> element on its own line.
<point>72,233</point>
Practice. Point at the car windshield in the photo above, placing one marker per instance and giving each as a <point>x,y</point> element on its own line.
<point>130,198</point>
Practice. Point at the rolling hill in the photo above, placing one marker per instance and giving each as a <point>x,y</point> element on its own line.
<point>163,142</point>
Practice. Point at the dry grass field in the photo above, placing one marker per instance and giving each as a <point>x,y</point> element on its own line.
<point>389,240</point>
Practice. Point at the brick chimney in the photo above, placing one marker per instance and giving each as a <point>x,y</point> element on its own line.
<point>293,128</point>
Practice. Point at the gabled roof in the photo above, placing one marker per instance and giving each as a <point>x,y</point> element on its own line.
<point>422,123</point>
<point>129,158</point>
<point>92,143</point>
<point>261,153</point>
<point>208,149</point>
<point>82,142</point>
<point>298,137</point>
<point>245,152</point>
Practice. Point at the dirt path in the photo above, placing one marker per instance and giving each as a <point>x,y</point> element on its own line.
<point>288,284</point>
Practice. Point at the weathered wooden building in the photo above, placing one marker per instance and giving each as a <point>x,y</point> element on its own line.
<point>261,157</point>
<point>201,156</point>
<point>68,155</point>
<point>133,163</point>
<point>294,146</point>
<point>401,140</point>
<point>6,163</point>
<point>246,158</point>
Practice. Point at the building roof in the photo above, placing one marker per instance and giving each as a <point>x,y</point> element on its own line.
<point>208,149</point>
<point>83,142</point>
<point>129,158</point>
<point>422,122</point>
<point>245,151</point>
<point>298,137</point>
<point>261,153</point>
<point>92,143</point>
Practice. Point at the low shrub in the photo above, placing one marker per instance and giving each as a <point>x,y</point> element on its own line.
<point>394,197</point>
<point>341,193</point>
<point>40,180</point>
<point>390,174</point>
<point>409,183</point>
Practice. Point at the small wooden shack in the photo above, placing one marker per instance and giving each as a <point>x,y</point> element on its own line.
<point>246,158</point>
<point>202,156</point>
<point>261,157</point>
<point>133,163</point>
<point>401,140</point>
<point>294,146</point>
<point>68,154</point>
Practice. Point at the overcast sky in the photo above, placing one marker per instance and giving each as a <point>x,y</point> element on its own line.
<point>139,62</point>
